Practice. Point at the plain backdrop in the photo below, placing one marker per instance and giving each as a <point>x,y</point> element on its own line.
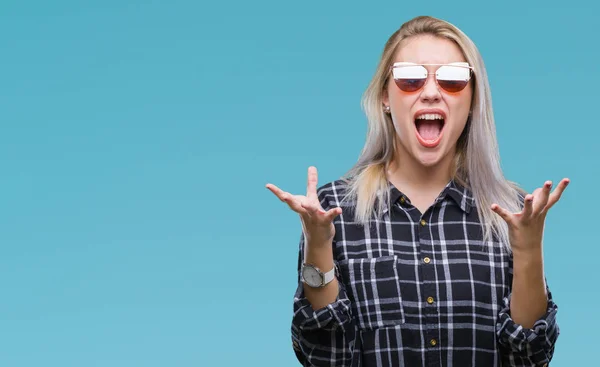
<point>137,138</point>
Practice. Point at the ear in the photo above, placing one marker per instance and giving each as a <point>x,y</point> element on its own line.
<point>385,98</point>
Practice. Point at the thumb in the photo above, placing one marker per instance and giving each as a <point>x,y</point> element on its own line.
<point>333,213</point>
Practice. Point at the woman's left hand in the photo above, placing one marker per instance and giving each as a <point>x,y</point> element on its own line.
<point>526,228</point>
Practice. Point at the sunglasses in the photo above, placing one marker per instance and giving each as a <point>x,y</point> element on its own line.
<point>452,77</point>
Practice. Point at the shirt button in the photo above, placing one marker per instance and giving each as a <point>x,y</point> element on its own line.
<point>433,342</point>
<point>426,260</point>
<point>423,222</point>
<point>430,300</point>
<point>402,199</point>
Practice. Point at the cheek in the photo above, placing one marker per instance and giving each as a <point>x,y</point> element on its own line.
<point>401,104</point>
<point>460,107</point>
<point>402,120</point>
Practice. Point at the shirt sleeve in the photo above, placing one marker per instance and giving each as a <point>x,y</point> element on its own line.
<point>528,347</point>
<point>323,337</point>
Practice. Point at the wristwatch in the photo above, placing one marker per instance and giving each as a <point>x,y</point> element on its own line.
<point>314,277</point>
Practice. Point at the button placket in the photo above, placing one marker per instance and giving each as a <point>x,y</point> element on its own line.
<point>428,288</point>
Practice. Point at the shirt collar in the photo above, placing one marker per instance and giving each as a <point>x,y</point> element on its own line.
<point>455,191</point>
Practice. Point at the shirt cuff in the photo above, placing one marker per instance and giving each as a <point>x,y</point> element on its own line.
<point>535,344</point>
<point>330,317</point>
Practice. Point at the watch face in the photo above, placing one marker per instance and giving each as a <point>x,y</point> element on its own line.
<point>312,276</point>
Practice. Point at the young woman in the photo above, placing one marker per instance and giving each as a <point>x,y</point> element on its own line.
<point>424,254</point>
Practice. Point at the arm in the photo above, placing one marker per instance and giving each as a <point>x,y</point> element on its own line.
<point>323,333</point>
<point>527,329</point>
<point>529,299</point>
<point>532,343</point>
<point>320,255</point>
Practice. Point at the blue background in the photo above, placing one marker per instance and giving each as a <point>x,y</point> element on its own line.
<point>137,137</point>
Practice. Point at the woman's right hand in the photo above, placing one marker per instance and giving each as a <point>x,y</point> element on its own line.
<point>317,223</point>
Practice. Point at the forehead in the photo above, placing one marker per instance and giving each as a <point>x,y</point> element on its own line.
<point>427,49</point>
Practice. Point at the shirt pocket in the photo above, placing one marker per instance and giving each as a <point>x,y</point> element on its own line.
<point>373,286</point>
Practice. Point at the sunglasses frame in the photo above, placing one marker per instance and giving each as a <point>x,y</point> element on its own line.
<point>454,64</point>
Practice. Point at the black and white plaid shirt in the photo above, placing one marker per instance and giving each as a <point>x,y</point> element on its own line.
<point>420,290</point>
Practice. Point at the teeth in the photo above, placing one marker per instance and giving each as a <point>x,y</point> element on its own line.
<point>430,116</point>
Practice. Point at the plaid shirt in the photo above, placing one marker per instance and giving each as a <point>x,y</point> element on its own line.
<point>418,290</point>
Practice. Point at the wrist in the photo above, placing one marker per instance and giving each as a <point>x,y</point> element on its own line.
<point>528,255</point>
<point>320,236</point>
<point>319,255</point>
<point>529,266</point>
<point>318,242</point>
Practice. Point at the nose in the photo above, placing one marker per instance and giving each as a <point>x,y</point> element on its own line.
<point>430,92</point>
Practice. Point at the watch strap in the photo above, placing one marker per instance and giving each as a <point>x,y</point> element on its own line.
<point>327,277</point>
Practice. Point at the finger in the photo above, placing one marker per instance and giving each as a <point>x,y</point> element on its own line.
<point>276,190</point>
<point>528,206</point>
<point>541,197</point>
<point>503,213</point>
<point>333,213</point>
<point>287,198</point>
<point>311,185</point>
<point>555,196</point>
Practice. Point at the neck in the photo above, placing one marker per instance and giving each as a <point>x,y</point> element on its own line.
<point>405,172</point>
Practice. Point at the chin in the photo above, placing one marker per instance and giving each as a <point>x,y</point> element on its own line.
<point>429,159</point>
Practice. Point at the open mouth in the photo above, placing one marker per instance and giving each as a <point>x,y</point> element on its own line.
<point>429,128</point>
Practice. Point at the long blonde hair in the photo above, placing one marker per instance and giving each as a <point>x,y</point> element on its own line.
<point>477,163</point>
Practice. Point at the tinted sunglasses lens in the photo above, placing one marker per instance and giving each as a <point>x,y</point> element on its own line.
<point>453,78</point>
<point>410,78</point>
<point>410,85</point>
<point>453,86</point>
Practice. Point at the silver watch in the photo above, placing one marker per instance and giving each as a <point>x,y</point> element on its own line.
<point>314,277</point>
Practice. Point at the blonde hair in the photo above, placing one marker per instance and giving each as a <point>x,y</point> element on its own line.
<point>477,163</point>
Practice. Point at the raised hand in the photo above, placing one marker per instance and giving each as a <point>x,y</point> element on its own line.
<point>526,228</point>
<point>316,222</point>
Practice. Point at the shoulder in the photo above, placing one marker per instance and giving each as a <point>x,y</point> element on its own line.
<point>333,193</point>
